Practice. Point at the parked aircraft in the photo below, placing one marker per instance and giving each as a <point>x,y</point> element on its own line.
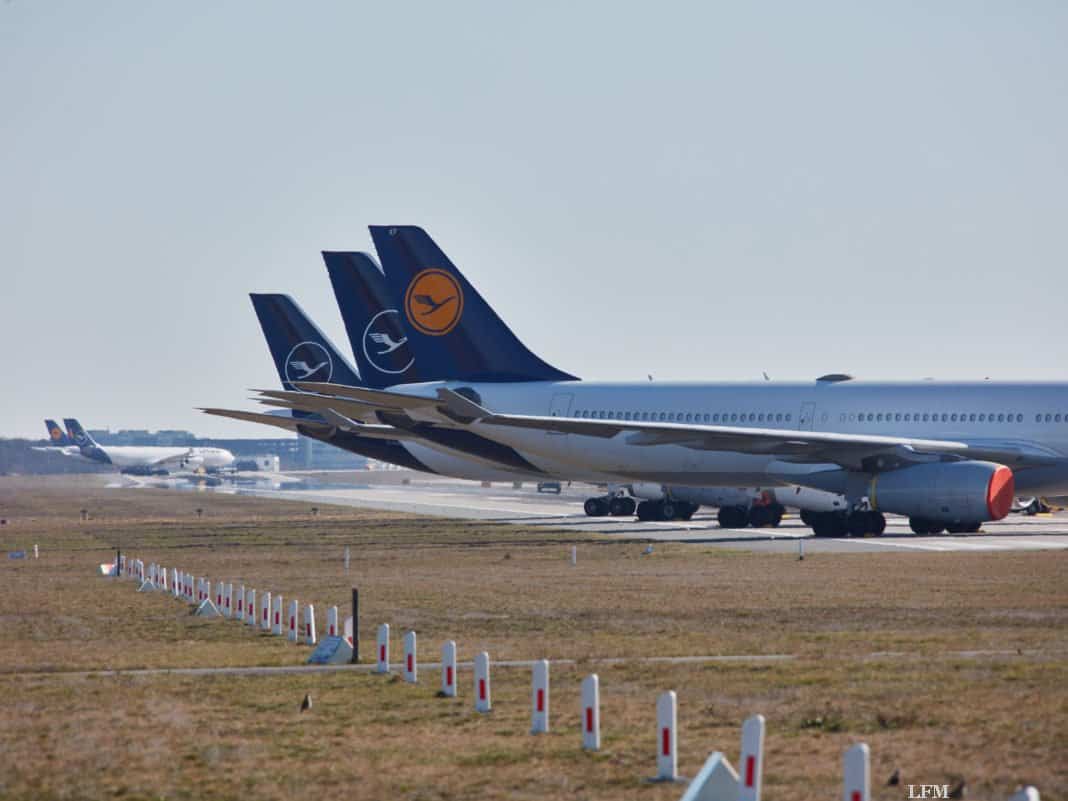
<point>147,460</point>
<point>947,455</point>
<point>59,440</point>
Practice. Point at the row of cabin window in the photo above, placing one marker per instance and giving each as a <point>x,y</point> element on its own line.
<point>898,417</point>
<point>687,417</point>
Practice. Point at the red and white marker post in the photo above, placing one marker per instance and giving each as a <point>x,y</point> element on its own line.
<point>175,581</point>
<point>856,767</point>
<point>228,599</point>
<point>539,697</point>
<point>239,610</point>
<point>448,669</point>
<point>276,612</point>
<point>483,700</point>
<point>331,622</point>
<point>250,607</point>
<point>220,588</point>
<point>591,713</point>
<point>667,768</point>
<point>294,610</point>
<point>309,625</point>
<point>411,665</point>
<point>751,767</point>
<point>382,649</point>
<point>265,611</point>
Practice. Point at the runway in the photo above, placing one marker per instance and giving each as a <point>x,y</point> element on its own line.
<point>525,506</point>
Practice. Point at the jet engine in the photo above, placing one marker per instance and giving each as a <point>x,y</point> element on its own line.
<point>945,491</point>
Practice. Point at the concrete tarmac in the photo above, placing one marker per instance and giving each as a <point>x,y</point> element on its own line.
<point>505,504</point>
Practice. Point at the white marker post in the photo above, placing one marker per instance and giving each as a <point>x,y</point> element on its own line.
<point>239,610</point>
<point>591,713</point>
<point>175,579</point>
<point>539,697</point>
<point>265,611</point>
<point>483,701</point>
<point>276,623</point>
<point>751,766</point>
<point>163,579</point>
<point>220,589</point>
<point>574,554</point>
<point>346,557</point>
<point>857,769</point>
<point>228,599</point>
<point>294,610</point>
<point>250,607</point>
<point>331,621</point>
<point>667,768</point>
<point>448,669</point>
<point>411,665</point>
<point>383,649</point>
<point>309,625</point>
<point>36,553</point>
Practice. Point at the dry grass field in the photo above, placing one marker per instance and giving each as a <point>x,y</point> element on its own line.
<point>947,664</point>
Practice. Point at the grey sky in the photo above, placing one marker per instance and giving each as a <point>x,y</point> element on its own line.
<point>698,191</point>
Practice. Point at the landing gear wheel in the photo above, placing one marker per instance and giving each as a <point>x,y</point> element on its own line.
<point>621,507</point>
<point>878,523</point>
<point>972,528</point>
<point>648,510</point>
<point>667,510</point>
<point>829,524</point>
<point>759,516</point>
<point>807,517</point>
<point>733,517</point>
<point>685,511</point>
<point>595,507</point>
<point>777,512</point>
<point>859,524</point>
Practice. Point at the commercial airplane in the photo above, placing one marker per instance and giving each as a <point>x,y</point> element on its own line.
<point>947,455</point>
<point>148,459</point>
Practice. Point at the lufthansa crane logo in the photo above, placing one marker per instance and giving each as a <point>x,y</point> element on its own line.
<point>385,345</point>
<point>57,435</point>
<point>309,361</point>
<point>434,302</point>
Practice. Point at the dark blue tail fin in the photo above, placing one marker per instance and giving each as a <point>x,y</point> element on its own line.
<point>56,435</point>
<point>301,351</point>
<point>378,337</point>
<point>86,444</point>
<point>445,316</point>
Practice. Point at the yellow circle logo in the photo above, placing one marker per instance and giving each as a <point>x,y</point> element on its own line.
<point>434,302</point>
<point>57,434</point>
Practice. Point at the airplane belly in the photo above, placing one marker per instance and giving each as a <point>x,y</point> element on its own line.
<point>450,464</point>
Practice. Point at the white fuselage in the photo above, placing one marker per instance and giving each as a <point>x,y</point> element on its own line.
<point>1035,414</point>
<point>149,456</point>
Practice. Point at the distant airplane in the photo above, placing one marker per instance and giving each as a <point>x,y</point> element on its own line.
<point>146,459</point>
<point>59,440</point>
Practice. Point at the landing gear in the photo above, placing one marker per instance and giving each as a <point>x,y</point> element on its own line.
<point>921,525</point>
<point>861,523</point>
<point>666,509</point>
<point>770,515</point>
<point>596,507</point>
<point>829,524</point>
<point>963,528</point>
<point>621,507</point>
<point>733,517</point>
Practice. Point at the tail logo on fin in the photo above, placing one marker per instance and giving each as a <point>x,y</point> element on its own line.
<point>55,433</point>
<point>434,302</point>
<point>309,361</point>
<point>385,343</point>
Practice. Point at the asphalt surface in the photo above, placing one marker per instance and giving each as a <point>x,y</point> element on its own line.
<point>504,504</point>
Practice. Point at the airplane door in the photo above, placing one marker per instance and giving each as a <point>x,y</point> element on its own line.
<point>560,407</point>
<point>808,415</point>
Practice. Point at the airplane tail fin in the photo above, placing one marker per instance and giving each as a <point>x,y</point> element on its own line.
<point>301,351</point>
<point>376,332</point>
<point>78,435</point>
<point>445,316</point>
<point>56,435</point>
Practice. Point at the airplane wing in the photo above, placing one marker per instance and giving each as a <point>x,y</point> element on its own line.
<point>854,451</point>
<point>373,398</point>
<point>296,424</point>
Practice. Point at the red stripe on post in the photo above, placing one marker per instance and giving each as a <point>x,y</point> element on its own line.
<point>541,700</point>
<point>409,663</point>
<point>750,769</point>
<point>276,619</point>
<point>855,796</point>
<point>448,675</point>
<point>665,741</point>
<point>589,718</point>
<point>481,689</point>
<point>381,653</point>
